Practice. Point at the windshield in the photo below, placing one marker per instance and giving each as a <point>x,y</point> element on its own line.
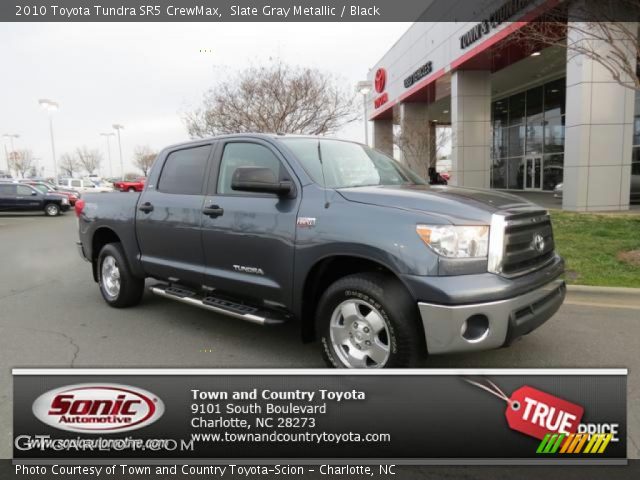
<point>42,188</point>
<point>349,164</point>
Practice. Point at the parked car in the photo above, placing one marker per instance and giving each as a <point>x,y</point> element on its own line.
<point>18,197</point>
<point>362,252</point>
<point>136,185</point>
<point>100,182</point>
<point>82,185</point>
<point>49,187</point>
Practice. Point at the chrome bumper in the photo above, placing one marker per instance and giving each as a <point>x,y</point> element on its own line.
<point>444,325</point>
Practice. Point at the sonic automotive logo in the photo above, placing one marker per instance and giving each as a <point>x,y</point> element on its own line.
<point>98,408</point>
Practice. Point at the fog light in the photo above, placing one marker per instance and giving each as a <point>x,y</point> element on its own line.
<point>475,328</point>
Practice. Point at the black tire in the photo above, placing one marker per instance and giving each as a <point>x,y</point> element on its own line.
<point>131,189</point>
<point>52,210</point>
<point>131,288</point>
<point>403,337</point>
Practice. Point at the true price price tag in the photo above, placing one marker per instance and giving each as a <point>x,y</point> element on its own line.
<point>536,413</point>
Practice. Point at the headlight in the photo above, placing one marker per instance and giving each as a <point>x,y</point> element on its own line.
<point>456,241</point>
<point>65,201</point>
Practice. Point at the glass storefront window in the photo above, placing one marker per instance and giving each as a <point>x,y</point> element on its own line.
<point>554,135</point>
<point>499,173</point>
<point>517,108</point>
<point>554,98</point>
<point>534,137</point>
<point>516,173</point>
<point>552,170</point>
<point>500,112</point>
<point>528,124</point>
<point>516,140</point>
<point>636,124</point>
<point>534,105</point>
<point>634,195</point>
<point>500,142</point>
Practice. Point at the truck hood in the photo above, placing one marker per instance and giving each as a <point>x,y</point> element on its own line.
<point>447,201</point>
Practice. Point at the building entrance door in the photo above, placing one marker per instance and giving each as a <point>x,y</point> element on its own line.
<point>533,172</point>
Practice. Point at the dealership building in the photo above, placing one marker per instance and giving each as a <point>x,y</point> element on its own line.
<point>522,116</point>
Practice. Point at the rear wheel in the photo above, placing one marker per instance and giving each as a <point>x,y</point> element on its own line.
<point>369,321</point>
<point>118,286</point>
<point>51,210</point>
<point>132,189</point>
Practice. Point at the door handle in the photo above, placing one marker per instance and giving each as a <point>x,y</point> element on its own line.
<point>213,211</point>
<point>146,207</point>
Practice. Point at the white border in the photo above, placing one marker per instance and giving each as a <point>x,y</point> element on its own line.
<point>319,371</point>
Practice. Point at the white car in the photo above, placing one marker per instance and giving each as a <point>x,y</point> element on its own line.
<point>82,185</point>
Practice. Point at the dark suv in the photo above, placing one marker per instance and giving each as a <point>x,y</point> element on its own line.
<point>17,197</point>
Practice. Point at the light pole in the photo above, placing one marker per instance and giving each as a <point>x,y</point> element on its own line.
<point>50,106</point>
<point>364,87</point>
<point>108,135</point>
<point>117,127</point>
<point>10,136</point>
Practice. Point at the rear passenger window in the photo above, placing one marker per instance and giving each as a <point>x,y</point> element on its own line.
<point>183,171</point>
<point>7,189</point>
<point>76,183</point>
<point>244,155</point>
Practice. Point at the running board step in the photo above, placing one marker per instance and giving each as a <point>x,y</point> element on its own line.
<point>220,305</point>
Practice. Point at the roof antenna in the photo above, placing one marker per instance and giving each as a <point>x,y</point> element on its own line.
<point>324,180</point>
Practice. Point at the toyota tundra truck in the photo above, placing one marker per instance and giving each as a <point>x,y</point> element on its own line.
<point>368,258</point>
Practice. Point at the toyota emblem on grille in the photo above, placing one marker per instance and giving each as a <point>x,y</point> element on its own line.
<point>538,242</point>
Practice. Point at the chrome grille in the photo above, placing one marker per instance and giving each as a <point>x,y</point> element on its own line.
<point>528,242</point>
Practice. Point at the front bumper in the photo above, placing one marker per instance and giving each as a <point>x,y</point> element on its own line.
<point>506,320</point>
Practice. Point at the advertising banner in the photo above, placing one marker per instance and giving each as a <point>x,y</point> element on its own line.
<point>311,416</point>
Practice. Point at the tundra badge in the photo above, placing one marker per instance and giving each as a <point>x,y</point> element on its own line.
<point>243,269</point>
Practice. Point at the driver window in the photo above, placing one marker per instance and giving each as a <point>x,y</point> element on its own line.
<point>240,154</point>
<point>24,190</point>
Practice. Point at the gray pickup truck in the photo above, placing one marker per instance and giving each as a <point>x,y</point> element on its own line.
<point>367,257</point>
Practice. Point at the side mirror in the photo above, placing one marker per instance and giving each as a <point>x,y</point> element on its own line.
<point>260,180</point>
<point>34,193</point>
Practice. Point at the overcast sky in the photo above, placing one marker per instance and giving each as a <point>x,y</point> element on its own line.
<point>146,75</point>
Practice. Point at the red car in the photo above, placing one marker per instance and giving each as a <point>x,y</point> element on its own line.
<point>136,185</point>
<point>46,187</point>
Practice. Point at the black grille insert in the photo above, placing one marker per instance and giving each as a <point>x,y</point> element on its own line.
<point>528,243</point>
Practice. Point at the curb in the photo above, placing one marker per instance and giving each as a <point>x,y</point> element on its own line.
<point>619,297</point>
<point>589,289</point>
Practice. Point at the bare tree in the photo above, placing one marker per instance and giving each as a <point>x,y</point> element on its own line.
<point>69,164</point>
<point>274,98</point>
<point>21,161</point>
<point>89,159</point>
<point>421,150</point>
<point>143,158</point>
<point>597,31</point>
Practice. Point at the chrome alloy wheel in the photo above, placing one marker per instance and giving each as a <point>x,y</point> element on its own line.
<point>110,276</point>
<point>360,335</point>
<point>52,210</point>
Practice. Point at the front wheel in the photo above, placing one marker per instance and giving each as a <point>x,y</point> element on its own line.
<point>51,210</point>
<point>132,189</point>
<point>118,286</point>
<point>369,321</point>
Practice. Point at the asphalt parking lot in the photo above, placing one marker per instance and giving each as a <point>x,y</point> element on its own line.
<point>52,315</point>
